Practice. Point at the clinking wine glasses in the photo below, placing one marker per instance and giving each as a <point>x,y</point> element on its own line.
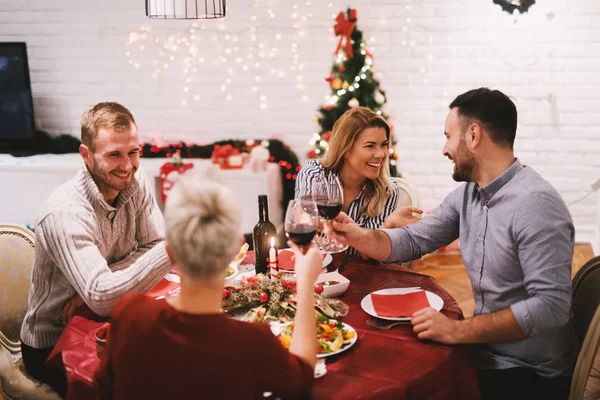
<point>328,193</point>
<point>301,221</point>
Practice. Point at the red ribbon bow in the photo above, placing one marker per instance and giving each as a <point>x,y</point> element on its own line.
<point>343,27</point>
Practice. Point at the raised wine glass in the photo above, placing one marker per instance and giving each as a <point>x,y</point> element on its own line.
<point>329,196</point>
<point>301,221</point>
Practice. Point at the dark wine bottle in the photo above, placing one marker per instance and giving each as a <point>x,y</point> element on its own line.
<point>262,234</point>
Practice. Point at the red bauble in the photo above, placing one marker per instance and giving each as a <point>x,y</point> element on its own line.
<point>311,154</point>
<point>328,107</point>
<point>263,297</point>
<point>326,136</point>
<point>342,68</point>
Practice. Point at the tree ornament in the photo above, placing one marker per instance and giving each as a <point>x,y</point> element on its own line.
<point>379,97</point>
<point>345,85</point>
<point>353,103</point>
<point>343,28</point>
<point>341,68</point>
<point>336,84</point>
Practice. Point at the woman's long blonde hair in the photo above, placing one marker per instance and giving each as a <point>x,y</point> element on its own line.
<point>343,137</point>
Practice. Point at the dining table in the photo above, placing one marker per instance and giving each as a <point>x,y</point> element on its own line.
<point>382,364</point>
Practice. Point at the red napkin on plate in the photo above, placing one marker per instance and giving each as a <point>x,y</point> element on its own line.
<point>287,261</point>
<point>163,287</point>
<point>399,305</point>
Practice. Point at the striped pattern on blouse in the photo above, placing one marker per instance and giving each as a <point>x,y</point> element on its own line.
<point>309,173</point>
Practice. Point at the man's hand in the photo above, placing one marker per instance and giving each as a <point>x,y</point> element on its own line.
<point>402,216</point>
<point>70,306</point>
<point>433,325</point>
<point>343,229</point>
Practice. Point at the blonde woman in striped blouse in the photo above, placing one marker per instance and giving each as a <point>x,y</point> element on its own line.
<point>358,154</point>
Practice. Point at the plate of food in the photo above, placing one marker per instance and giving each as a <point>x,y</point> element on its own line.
<point>287,261</point>
<point>333,336</point>
<point>240,256</point>
<point>230,275</point>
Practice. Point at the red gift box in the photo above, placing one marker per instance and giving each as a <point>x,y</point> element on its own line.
<point>227,157</point>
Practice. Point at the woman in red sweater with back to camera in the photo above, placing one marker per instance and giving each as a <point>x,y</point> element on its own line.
<point>184,346</point>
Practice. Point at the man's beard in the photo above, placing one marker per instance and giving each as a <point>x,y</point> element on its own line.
<point>464,164</point>
<point>102,176</point>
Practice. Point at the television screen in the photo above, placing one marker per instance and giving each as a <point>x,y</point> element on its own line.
<point>16,107</point>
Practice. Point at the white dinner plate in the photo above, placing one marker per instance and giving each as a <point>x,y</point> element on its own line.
<point>326,261</point>
<point>276,329</point>
<point>435,301</point>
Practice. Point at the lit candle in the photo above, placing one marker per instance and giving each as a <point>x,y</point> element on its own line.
<point>273,252</point>
<point>273,267</point>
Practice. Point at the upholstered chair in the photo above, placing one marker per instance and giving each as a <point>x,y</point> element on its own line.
<point>16,261</point>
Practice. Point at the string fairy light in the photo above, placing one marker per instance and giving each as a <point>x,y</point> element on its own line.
<point>254,53</point>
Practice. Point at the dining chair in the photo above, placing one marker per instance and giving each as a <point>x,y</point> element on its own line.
<point>17,246</point>
<point>16,261</point>
<point>409,196</point>
<point>586,314</point>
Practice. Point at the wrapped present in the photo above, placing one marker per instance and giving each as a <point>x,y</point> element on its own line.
<point>227,157</point>
<point>259,158</point>
<point>169,173</point>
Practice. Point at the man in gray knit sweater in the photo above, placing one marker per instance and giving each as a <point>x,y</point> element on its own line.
<point>98,237</point>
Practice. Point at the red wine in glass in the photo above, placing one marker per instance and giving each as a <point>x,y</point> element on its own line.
<point>301,234</point>
<point>329,209</point>
<point>301,221</point>
<point>329,196</point>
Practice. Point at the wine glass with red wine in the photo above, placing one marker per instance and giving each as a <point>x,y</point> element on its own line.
<point>301,221</point>
<point>329,196</point>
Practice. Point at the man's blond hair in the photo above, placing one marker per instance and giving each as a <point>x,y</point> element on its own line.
<point>203,226</point>
<point>107,115</point>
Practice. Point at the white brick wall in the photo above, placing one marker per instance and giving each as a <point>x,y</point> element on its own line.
<point>547,60</point>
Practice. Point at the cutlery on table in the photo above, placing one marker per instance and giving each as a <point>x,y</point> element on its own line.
<point>386,325</point>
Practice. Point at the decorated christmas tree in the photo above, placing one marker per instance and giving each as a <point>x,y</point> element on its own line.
<point>353,83</point>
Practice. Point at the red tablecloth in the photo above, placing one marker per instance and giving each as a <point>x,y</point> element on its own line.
<point>383,364</point>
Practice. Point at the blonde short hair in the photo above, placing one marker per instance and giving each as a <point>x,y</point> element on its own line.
<point>109,115</point>
<point>203,227</point>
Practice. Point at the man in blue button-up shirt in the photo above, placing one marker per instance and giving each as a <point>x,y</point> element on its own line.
<point>516,240</point>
